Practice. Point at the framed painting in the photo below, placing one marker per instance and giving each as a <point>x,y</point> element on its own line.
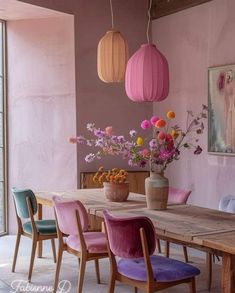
<point>221,107</point>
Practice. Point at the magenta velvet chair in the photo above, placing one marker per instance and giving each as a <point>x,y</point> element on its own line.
<point>133,241</point>
<point>177,196</point>
<point>74,237</point>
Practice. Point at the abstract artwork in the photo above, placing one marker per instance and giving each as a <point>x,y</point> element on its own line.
<point>221,103</point>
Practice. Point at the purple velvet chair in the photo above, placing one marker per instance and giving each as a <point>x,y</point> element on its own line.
<point>177,196</point>
<point>133,241</point>
<point>74,237</point>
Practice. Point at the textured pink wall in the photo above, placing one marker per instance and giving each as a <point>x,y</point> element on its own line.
<point>41,103</point>
<point>192,41</point>
<point>43,97</point>
<point>105,104</point>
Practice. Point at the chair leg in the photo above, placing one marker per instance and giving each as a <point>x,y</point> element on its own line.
<point>167,248</point>
<point>185,253</point>
<point>16,251</point>
<point>209,270</point>
<point>159,246</point>
<point>192,286</point>
<point>58,265</point>
<point>81,275</point>
<point>53,249</point>
<point>34,245</point>
<point>112,283</point>
<point>97,270</point>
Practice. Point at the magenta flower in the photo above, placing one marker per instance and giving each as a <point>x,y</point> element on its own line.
<point>153,120</point>
<point>145,124</point>
<point>158,149</point>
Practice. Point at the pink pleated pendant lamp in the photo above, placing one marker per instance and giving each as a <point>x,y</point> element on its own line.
<point>147,73</point>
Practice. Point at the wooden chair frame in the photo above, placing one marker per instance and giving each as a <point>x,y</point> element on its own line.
<point>83,255</point>
<point>167,251</point>
<point>150,285</point>
<point>35,236</point>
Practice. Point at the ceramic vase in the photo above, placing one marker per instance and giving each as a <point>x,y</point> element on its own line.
<point>156,190</point>
<point>116,191</point>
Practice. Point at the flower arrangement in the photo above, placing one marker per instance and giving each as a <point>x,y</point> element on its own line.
<point>113,176</point>
<point>159,149</point>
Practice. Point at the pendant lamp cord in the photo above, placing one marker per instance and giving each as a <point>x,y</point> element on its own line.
<point>149,18</point>
<point>111,9</point>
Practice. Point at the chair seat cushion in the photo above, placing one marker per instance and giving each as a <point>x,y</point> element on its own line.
<point>164,269</point>
<point>45,227</point>
<point>96,242</point>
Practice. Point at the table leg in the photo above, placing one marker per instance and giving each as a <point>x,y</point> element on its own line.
<point>39,215</point>
<point>227,277</point>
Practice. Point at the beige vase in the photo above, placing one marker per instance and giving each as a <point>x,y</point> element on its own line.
<point>156,190</point>
<point>116,191</point>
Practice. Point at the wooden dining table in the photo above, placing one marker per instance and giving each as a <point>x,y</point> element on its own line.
<point>197,227</point>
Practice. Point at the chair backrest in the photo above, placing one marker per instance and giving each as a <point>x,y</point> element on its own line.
<point>20,196</point>
<point>227,204</point>
<point>66,215</point>
<point>178,196</point>
<point>124,235</point>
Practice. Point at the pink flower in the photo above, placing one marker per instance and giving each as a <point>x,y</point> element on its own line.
<point>145,152</point>
<point>161,135</point>
<point>154,119</point>
<point>145,124</point>
<point>109,130</point>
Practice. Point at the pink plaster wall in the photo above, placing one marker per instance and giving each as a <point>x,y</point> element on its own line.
<point>192,41</point>
<point>102,103</point>
<point>105,104</point>
<point>41,105</point>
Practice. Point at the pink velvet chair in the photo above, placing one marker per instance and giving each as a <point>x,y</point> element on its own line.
<point>133,241</point>
<point>177,196</point>
<point>72,222</point>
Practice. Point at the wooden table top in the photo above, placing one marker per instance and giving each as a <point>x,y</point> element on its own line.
<point>221,241</point>
<point>186,222</point>
<point>93,199</point>
<point>190,224</point>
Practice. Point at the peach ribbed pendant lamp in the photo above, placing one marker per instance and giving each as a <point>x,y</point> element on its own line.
<point>147,73</point>
<point>112,55</point>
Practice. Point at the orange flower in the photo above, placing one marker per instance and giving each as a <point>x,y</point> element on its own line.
<point>174,133</point>
<point>73,140</point>
<point>160,123</point>
<point>109,130</point>
<point>170,115</point>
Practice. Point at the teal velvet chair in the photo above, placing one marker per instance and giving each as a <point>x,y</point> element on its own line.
<point>26,207</point>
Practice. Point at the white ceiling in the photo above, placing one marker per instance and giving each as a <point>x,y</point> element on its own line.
<point>15,10</point>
